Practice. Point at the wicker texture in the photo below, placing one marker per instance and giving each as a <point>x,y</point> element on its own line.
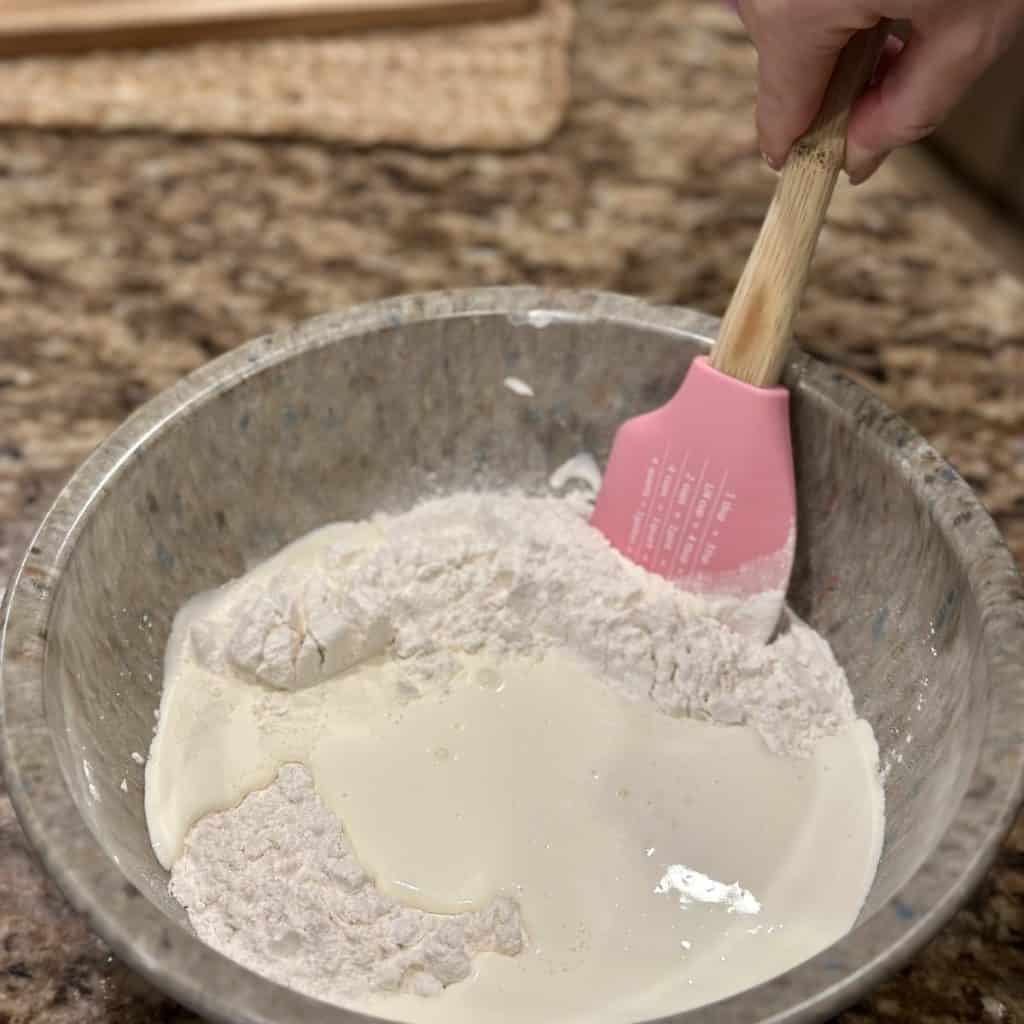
<point>490,85</point>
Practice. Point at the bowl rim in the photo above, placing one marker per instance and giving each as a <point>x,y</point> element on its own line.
<point>180,964</point>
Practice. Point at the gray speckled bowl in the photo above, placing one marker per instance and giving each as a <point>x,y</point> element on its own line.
<point>898,565</point>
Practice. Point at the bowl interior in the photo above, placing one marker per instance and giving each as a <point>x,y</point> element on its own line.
<point>326,427</point>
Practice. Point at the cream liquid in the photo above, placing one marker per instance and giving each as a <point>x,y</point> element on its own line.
<point>618,830</point>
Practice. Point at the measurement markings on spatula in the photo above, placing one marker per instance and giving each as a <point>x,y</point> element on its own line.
<point>684,543</point>
<point>679,516</point>
<point>640,532</point>
<point>707,506</point>
<point>667,538</point>
<point>707,547</point>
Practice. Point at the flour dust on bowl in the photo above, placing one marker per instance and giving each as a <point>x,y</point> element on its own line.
<point>356,419</point>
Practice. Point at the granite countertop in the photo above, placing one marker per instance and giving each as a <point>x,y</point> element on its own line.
<point>128,260</point>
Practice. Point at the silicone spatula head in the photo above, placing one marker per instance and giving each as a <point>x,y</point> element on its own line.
<point>701,491</point>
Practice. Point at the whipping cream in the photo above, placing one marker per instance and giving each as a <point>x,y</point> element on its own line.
<point>542,798</point>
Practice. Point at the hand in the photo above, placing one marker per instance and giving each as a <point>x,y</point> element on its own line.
<point>948,45</point>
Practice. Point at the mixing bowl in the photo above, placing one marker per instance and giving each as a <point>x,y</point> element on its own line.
<point>898,566</point>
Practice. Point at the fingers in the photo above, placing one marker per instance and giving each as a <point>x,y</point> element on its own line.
<point>950,44</point>
<point>866,163</point>
<point>798,42</point>
<point>917,90</point>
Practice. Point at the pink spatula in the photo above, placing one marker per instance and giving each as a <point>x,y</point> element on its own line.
<point>701,491</point>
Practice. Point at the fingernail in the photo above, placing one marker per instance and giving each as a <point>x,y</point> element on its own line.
<point>771,162</point>
<point>862,163</point>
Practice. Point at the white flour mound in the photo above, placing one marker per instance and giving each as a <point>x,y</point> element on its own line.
<point>510,574</point>
<point>274,885</point>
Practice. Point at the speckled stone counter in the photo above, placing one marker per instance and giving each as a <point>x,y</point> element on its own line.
<point>128,260</point>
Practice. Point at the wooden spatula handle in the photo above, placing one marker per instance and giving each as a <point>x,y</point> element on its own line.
<point>757,327</point>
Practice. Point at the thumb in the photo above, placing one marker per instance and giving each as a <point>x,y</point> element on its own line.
<point>797,47</point>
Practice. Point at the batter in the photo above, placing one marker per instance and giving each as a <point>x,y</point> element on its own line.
<point>631,863</point>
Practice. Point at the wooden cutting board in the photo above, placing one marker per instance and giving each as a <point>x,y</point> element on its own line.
<point>56,26</point>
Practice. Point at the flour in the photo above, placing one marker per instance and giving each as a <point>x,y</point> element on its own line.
<point>509,574</point>
<point>274,883</point>
<point>518,387</point>
<point>581,469</point>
